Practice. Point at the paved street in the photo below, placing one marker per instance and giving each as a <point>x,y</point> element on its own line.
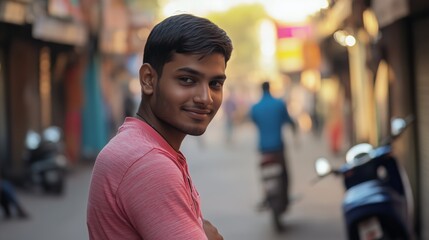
<point>228,181</point>
<point>227,178</point>
<point>53,218</point>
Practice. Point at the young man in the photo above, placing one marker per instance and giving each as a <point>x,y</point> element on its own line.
<point>141,187</point>
<point>270,115</point>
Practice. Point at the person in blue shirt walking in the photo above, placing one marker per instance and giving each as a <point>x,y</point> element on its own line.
<point>269,115</point>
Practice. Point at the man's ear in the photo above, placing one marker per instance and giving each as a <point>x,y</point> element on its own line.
<point>147,78</point>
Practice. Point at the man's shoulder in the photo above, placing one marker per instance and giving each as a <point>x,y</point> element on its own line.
<point>159,156</point>
<point>127,146</point>
<point>276,99</point>
<point>267,102</point>
<point>157,170</point>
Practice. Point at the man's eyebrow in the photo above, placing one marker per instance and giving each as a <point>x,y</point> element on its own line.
<point>191,71</point>
<point>200,74</point>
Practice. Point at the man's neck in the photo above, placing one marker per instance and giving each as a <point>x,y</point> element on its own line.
<point>173,141</point>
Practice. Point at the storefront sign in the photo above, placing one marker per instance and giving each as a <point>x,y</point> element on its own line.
<point>290,55</point>
<point>65,32</point>
<point>12,12</point>
<point>65,9</point>
<point>302,32</point>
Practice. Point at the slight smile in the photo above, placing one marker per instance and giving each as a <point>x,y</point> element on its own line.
<point>198,114</point>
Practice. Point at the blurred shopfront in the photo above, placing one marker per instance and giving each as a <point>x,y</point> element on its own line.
<point>36,40</point>
<point>67,63</point>
<point>419,51</point>
<point>385,43</point>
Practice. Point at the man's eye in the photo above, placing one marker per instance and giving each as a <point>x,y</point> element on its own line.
<point>186,80</point>
<point>216,84</point>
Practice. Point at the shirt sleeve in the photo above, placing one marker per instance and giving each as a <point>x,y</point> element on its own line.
<point>154,197</point>
<point>286,116</point>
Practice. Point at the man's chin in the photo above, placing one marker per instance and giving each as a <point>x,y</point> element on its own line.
<point>197,132</point>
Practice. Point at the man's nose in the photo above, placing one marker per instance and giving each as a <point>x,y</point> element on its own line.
<point>203,95</point>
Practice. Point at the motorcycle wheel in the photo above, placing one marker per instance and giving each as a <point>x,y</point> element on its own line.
<point>389,236</point>
<point>277,222</point>
<point>53,182</point>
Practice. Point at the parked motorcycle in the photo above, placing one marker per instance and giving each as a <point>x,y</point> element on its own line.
<point>378,202</point>
<point>46,165</point>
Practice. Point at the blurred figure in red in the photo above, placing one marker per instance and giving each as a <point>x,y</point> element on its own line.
<point>334,127</point>
<point>335,133</point>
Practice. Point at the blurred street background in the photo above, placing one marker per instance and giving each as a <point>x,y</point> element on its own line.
<point>227,177</point>
<point>344,68</point>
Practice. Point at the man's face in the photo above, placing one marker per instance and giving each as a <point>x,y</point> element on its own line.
<point>188,94</point>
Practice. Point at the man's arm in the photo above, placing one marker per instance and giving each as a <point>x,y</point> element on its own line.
<point>287,119</point>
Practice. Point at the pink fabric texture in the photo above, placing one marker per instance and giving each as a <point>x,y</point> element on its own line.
<point>141,189</point>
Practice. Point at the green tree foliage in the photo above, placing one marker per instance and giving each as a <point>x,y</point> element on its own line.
<point>141,5</point>
<point>148,8</point>
<point>242,23</point>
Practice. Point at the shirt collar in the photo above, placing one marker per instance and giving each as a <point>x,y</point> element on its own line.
<point>156,136</point>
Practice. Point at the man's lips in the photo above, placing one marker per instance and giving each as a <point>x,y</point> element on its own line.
<point>198,112</point>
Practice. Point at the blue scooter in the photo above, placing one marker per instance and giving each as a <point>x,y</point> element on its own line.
<point>378,202</point>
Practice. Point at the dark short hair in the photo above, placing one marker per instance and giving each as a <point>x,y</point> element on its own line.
<point>265,86</point>
<point>185,34</point>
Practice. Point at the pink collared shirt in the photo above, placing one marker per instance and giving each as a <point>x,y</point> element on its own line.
<point>141,189</point>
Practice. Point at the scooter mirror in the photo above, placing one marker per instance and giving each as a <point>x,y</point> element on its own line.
<point>357,153</point>
<point>32,140</point>
<point>322,166</point>
<point>52,134</point>
<point>397,125</point>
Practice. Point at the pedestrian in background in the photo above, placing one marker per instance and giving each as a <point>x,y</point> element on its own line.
<point>229,109</point>
<point>269,116</point>
<point>140,186</point>
<point>9,201</point>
